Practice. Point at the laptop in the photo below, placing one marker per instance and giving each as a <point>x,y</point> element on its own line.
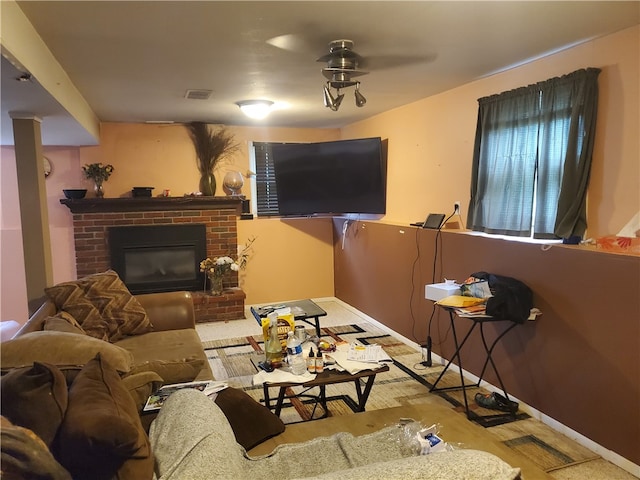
<point>433,221</point>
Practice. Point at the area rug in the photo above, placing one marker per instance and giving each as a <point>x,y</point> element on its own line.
<point>406,383</point>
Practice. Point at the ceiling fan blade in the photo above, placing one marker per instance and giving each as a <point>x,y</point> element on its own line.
<point>291,42</point>
<point>382,62</point>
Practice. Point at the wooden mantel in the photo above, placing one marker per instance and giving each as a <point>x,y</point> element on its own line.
<point>149,204</point>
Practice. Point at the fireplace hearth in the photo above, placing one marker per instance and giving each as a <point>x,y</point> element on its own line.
<point>159,258</point>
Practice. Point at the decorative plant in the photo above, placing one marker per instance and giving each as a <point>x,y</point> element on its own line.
<point>218,267</point>
<point>212,146</point>
<point>97,172</point>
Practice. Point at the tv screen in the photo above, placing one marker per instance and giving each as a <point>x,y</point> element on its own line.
<point>347,176</point>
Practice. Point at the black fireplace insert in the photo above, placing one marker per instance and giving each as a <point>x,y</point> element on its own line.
<point>159,258</point>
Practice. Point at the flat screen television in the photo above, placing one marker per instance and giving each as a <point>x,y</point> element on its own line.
<point>331,178</point>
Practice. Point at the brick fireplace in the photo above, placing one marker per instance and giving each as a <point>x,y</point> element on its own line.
<point>93,217</point>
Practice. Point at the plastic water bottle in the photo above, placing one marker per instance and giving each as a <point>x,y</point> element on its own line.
<point>294,355</point>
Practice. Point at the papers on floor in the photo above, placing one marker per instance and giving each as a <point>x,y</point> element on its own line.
<point>157,399</point>
<point>281,376</point>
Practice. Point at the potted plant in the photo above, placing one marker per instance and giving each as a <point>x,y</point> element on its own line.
<point>212,147</point>
<point>98,173</point>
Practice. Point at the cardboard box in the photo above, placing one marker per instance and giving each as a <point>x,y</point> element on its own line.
<point>438,291</point>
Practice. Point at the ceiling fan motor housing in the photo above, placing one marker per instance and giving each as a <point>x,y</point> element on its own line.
<point>342,64</point>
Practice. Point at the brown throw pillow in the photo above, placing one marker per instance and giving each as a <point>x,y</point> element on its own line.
<point>35,398</point>
<point>101,435</point>
<point>252,423</point>
<point>25,456</point>
<point>72,299</point>
<point>61,349</point>
<point>119,313</point>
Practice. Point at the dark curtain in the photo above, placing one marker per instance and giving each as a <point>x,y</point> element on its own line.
<point>532,153</point>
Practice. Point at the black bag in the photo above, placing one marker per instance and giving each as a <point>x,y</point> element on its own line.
<point>512,299</point>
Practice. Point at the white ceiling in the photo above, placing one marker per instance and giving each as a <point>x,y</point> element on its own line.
<point>134,61</point>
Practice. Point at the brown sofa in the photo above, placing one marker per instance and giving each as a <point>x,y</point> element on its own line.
<point>77,374</point>
<point>172,343</point>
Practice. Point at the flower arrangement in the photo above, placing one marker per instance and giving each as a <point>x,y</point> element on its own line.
<point>97,172</point>
<point>211,146</point>
<point>218,267</point>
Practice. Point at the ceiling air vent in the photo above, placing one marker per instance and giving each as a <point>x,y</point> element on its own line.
<point>198,94</point>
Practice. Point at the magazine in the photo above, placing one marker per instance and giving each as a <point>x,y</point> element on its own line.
<point>157,399</point>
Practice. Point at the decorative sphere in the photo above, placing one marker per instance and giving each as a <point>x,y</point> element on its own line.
<point>233,182</point>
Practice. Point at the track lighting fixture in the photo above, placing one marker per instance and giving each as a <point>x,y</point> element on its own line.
<point>333,102</point>
<point>360,100</point>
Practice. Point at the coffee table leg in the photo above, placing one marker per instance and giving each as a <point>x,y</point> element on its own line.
<point>317,320</point>
<point>363,396</point>
<point>280,401</point>
<point>267,400</point>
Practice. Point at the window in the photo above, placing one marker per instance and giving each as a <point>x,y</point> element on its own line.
<point>532,158</point>
<point>265,194</point>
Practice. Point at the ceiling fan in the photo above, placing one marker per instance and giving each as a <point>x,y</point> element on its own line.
<point>342,65</point>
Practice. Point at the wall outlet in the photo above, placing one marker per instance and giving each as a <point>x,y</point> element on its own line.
<point>456,207</point>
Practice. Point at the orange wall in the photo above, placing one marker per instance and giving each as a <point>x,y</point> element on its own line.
<point>431,141</point>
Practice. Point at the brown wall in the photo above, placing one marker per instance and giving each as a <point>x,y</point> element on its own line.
<point>579,363</point>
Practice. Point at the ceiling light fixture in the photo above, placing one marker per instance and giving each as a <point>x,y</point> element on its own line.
<point>256,109</point>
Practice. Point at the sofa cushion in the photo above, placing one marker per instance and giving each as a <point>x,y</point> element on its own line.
<point>141,385</point>
<point>25,455</point>
<point>63,322</point>
<point>252,423</point>
<point>101,435</point>
<point>118,312</point>
<point>61,349</point>
<point>166,351</point>
<point>172,371</point>
<point>35,398</point>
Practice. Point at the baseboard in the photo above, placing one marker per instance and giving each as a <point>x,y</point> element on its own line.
<point>604,452</point>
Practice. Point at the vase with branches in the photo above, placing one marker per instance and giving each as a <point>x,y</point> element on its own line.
<point>212,147</point>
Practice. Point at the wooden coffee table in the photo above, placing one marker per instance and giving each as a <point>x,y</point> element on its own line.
<point>328,377</point>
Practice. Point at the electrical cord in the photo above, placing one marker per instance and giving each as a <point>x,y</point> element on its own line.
<point>413,286</point>
<point>428,362</point>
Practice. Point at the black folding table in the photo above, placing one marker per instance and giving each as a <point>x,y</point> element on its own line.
<point>477,320</point>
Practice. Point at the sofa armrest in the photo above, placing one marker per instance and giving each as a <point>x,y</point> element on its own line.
<point>36,321</point>
<point>169,310</point>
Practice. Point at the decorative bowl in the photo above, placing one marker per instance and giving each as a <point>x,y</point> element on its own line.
<point>75,193</point>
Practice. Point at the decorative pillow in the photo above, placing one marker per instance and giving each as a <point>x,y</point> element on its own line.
<point>35,398</point>
<point>101,435</point>
<point>252,423</point>
<point>119,313</point>
<point>172,371</point>
<point>69,297</point>
<point>24,455</point>
<point>61,349</point>
<point>63,322</point>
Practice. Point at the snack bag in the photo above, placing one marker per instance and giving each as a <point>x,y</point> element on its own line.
<point>286,324</point>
